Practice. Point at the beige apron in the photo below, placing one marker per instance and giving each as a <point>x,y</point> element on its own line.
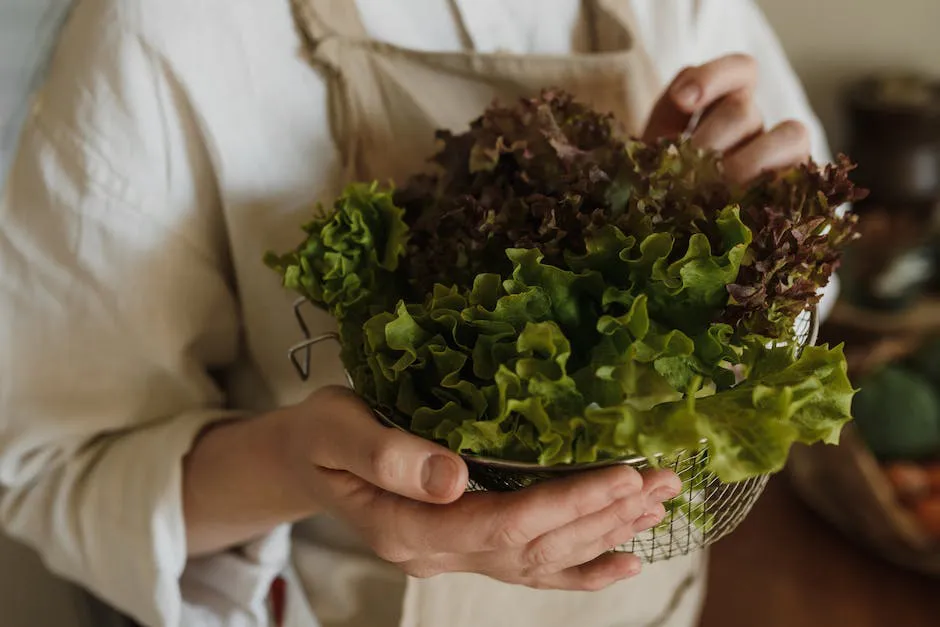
<point>385,104</point>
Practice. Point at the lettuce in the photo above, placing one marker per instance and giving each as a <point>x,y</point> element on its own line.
<point>348,258</point>
<point>495,374</point>
<point>555,292</point>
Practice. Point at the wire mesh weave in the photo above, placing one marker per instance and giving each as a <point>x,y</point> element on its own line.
<point>706,510</point>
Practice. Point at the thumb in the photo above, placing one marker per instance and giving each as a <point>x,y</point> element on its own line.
<point>351,439</point>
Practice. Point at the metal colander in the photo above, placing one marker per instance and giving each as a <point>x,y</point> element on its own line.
<point>706,510</point>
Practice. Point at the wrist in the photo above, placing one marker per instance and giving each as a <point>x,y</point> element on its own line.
<point>240,481</point>
<point>287,440</point>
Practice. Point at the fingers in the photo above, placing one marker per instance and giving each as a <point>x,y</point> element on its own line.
<point>525,532</point>
<point>733,121</point>
<point>590,536</point>
<point>587,538</point>
<point>352,440</point>
<point>595,575</point>
<point>481,522</point>
<point>661,485</point>
<point>784,146</point>
<point>554,504</point>
<point>576,569</point>
<point>550,535</point>
<point>721,93</point>
<point>508,522</point>
<point>648,520</point>
<point>697,88</point>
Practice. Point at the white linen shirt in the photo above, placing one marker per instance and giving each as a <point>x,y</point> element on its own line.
<point>27,33</point>
<point>173,143</point>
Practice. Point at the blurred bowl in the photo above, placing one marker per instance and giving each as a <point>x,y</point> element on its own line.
<point>894,136</point>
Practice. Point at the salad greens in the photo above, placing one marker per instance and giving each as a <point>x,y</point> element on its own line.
<point>555,291</point>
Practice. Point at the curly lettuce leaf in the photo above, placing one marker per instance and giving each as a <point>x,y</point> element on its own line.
<point>573,296</point>
<point>751,427</point>
<point>800,233</point>
<point>477,372</point>
<point>346,263</point>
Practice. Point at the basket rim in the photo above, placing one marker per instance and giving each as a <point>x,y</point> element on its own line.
<point>506,464</point>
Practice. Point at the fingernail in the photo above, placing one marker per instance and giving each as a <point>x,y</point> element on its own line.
<point>439,475</point>
<point>687,93</point>
<point>664,493</point>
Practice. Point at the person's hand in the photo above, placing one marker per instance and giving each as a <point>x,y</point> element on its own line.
<point>405,496</point>
<point>721,95</point>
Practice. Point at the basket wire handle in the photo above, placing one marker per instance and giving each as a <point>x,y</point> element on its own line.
<point>302,362</point>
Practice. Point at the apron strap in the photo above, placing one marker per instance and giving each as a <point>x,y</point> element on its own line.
<point>320,19</point>
<point>325,28</point>
<point>466,40</point>
<point>337,44</point>
<point>614,25</point>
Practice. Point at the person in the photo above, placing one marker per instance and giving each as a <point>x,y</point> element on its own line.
<point>158,449</point>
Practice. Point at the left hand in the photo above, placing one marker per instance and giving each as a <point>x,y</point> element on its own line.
<point>722,93</point>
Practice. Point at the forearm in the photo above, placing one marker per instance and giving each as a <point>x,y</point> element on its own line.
<point>239,483</point>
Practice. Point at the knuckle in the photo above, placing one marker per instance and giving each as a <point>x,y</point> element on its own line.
<point>754,116</point>
<point>421,569</point>
<point>583,498</point>
<point>541,584</point>
<point>739,107</point>
<point>741,101</point>
<point>595,583</point>
<point>386,462</point>
<point>686,73</point>
<point>625,512</point>
<point>540,554</point>
<point>585,503</point>
<point>616,538</point>
<point>586,496</point>
<point>795,131</point>
<point>630,480</point>
<point>390,550</point>
<point>749,62</point>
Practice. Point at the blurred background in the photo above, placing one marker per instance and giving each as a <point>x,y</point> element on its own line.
<point>831,42</point>
<point>851,535</point>
<point>847,535</point>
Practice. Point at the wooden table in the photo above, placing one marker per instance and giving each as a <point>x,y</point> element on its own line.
<point>785,567</point>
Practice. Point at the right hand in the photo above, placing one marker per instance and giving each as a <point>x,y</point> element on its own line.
<point>405,496</point>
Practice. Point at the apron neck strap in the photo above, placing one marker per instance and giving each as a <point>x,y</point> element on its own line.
<point>466,40</point>
<point>612,25</point>
<point>320,19</point>
<point>611,22</point>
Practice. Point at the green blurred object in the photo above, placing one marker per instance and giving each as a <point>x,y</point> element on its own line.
<point>897,413</point>
<point>926,362</point>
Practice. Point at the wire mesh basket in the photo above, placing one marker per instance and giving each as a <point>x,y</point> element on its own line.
<point>706,510</point>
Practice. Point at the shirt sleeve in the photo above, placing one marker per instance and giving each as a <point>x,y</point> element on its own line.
<point>27,35</point>
<point>116,315</point>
